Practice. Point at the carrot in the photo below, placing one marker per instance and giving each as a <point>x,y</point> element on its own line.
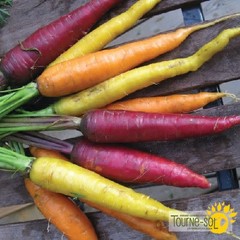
<point>119,163</point>
<point>61,212</point>
<point>108,31</point>
<point>42,152</point>
<point>155,229</point>
<point>129,165</point>
<point>129,126</point>
<point>69,179</point>
<point>121,85</point>
<point>177,103</point>
<point>27,59</point>
<point>84,72</point>
<point>111,126</point>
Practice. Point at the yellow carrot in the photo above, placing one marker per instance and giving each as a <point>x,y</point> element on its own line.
<point>108,31</point>
<point>69,179</point>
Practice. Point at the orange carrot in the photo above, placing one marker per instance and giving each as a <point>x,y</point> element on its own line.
<point>83,72</point>
<point>177,103</point>
<point>40,152</point>
<point>155,229</point>
<point>58,209</point>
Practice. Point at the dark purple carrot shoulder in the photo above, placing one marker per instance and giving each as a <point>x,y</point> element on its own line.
<point>28,58</point>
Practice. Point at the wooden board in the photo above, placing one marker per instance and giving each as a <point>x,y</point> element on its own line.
<point>204,155</point>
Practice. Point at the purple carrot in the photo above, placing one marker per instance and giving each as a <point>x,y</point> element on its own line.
<point>126,126</point>
<point>28,59</point>
<point>133,166</point>
<point>119,163</point>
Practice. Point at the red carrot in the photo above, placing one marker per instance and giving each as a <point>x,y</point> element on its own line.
<point>113,126</point>
<point>117,162</point>
<point>128,126</point>
<point>26,60</point>
<point>130,165</point>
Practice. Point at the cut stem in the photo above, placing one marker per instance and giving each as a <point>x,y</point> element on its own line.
<point>15,99</point>
<point>40,140</point>
<point>10,160</point>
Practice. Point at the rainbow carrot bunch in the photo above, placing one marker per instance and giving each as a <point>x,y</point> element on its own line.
<point>90,84</point>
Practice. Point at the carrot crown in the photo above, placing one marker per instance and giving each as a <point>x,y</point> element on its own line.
<point>40,140</point>
<point>17,97</point>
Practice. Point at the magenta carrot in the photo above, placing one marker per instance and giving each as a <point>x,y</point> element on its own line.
<point>123,126</point>
<point>129,165</point>
<point>117,162</point>
<point>26,60</point>
<point>129,126</point>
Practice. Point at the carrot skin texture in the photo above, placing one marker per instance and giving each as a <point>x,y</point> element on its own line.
<point>84,72</point>
<point>71,180</point>
<point>177,103</point>
<point>155,229</point>
<point>61,212</point>
<point>129,126</point>
<point>26,60</point>
<point>129,165</point>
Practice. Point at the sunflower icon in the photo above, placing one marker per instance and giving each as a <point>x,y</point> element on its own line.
<point>223,216</point>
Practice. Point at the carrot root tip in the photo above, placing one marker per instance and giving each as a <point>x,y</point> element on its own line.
<point>233,96</point>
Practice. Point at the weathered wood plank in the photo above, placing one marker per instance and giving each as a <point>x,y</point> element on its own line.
<point>13,191</point>
<point>112,229</point>
<point>27,16</point>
